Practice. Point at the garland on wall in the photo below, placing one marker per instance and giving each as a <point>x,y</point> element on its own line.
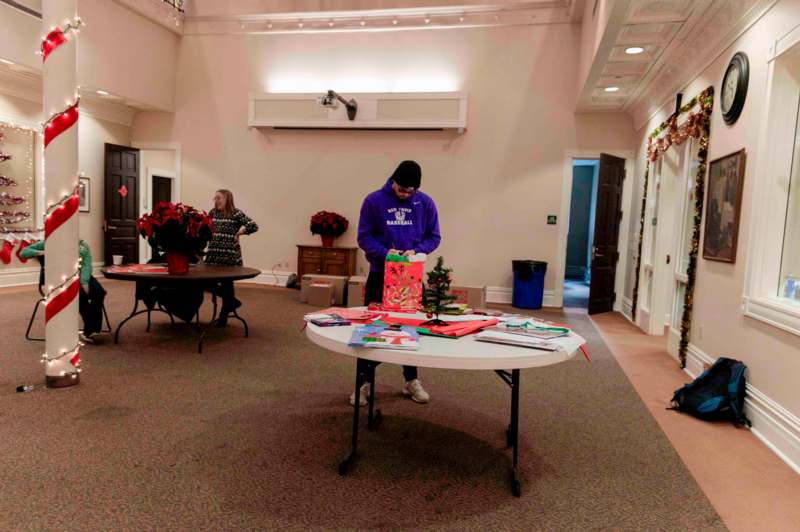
<point>669,133</point>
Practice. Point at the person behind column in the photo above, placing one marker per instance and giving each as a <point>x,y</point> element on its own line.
<point>91,295</point>
<point>223,250</point>
<point>397,219</point>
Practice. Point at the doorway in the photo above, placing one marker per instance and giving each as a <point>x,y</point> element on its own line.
<point>121,203</point>
<point>669,217</point>
<point>577,274</point>
<point>595,214</point>
<point>160,180</point>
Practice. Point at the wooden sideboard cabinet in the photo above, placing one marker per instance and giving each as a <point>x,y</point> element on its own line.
<point>326,261</point>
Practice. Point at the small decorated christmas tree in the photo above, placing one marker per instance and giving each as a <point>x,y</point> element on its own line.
<point>435,296</point>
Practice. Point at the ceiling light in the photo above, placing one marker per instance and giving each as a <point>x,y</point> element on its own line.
<point>330,23</point>
<point>611,89</point>
<point>6,62</point>
<point>394,22</point>
<point>363,23</point>
<point>634,50</point>
<point>427,20</point>
<point>269,25</point>
<point>300,24</point>
<point>103,93</point>
<point>461,18</point>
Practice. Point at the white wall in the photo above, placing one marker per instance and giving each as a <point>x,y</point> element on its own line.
<point>126,54</point>
<point>719,327</point>
<point>494,186</point>
<point>20,36</point>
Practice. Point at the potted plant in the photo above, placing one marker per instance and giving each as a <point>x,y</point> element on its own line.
<point>181,231</point>
<point>328,225</point>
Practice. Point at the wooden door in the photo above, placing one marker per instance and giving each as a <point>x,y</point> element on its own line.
<point>608,214</point>
<point>162,189</point>
<point>121,203</point>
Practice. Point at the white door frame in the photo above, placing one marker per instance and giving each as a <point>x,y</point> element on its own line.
<point>563,230</point>
<point>145,183</point>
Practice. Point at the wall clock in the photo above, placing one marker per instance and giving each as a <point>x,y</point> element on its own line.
<point>734,87</point>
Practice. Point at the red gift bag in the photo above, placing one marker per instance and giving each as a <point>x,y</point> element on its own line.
<point>402,285</point>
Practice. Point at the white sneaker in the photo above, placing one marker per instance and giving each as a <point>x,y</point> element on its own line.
<point>363,396</point>
<point>86,339</point>
<point>416,391</point>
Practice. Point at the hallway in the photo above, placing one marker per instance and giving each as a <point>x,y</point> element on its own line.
<point>750,487</point>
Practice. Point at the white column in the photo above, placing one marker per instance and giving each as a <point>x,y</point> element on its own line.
<point>61,171</point>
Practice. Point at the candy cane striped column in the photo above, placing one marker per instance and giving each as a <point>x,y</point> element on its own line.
<point>62,357</point>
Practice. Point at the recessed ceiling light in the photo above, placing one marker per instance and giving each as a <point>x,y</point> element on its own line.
<point>103,93</point>
<point>611,89</point>
<point>363,23</point>
<point>330,23</point>
<point>427,20</point>
<point>634,50</point>
<point>6,62</point>
<point>394,22</point>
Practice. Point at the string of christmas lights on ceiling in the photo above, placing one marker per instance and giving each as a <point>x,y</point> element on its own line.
<point>380,20</point>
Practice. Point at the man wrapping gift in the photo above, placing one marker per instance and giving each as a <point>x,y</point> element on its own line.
<point>397,219</point>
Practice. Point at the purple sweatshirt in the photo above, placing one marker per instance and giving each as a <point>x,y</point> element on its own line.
<point>387,222</point>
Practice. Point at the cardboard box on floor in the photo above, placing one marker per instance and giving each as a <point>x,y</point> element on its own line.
<point>473,296</point>
<point>356,289</point>
<point>338,282</point>
<point>320,294</point>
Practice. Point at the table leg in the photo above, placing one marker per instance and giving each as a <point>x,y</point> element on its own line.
<point>202,332</point>
<point>516,486</point>
<point>512,433</point>
<point>347,462</point>
<point>375,416</point>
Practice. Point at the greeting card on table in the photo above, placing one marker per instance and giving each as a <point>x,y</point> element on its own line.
<point>374,336</point>
<point>402,285</point>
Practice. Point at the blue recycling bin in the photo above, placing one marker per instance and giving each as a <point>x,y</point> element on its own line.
<point>528,289</point>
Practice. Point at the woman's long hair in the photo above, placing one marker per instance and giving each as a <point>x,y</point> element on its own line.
<point>229,206</point>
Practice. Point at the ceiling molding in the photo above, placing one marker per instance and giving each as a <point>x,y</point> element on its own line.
<point>158,11</point>
<point>679,38</point>
<point>695,54</point>
<point>465,16</point>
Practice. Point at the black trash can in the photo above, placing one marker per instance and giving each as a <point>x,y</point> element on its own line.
<point>528,283</point>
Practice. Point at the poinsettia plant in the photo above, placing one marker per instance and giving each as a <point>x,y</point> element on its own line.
<point>176,227</point>
<point>329,224</point>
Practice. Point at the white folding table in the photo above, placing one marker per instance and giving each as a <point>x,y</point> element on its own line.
<point>464,353</point>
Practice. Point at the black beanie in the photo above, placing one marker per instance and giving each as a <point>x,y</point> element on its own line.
<point>408,174</point>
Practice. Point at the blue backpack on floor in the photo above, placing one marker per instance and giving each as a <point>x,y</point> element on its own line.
<point>718,393</point>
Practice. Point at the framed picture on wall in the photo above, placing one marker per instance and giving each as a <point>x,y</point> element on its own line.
<point>723,207</point>
<point>84,193</point>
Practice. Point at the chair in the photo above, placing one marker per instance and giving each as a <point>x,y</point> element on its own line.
<point>41,301</point>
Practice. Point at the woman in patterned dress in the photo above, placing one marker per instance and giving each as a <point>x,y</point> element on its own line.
<point>223,250</point>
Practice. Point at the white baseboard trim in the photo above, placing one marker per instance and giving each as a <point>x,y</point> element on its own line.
<point>19,276</point>
<point>30,274</point>
<point>626,307</point>
<point>271,278</point>
<point>775,426</point>
<point>502,294</point>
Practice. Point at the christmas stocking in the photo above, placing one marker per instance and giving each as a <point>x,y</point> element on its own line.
<point>23,245</point>
<point>5,254</point>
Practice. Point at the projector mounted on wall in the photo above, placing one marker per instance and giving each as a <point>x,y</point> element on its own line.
<point>331,99</point>
<point>374,110</point>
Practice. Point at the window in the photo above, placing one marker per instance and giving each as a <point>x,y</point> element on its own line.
<point>789,287</point>
<point>772,287</point>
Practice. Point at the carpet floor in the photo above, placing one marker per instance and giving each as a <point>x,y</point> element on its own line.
<point>247,435</point>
